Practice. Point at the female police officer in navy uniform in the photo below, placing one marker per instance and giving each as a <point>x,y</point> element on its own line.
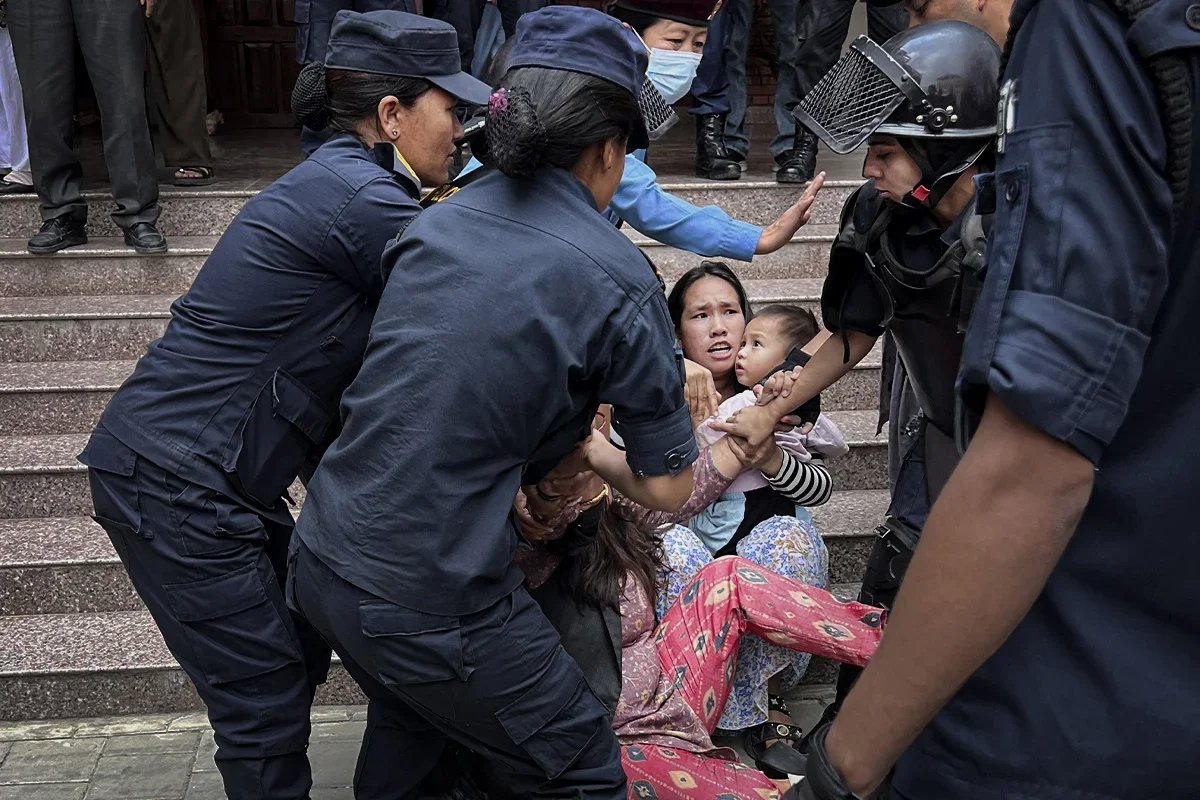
<point>513,308</point>
<point>190,464</point>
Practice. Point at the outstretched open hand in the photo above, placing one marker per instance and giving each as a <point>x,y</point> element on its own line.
<point>781,231</point>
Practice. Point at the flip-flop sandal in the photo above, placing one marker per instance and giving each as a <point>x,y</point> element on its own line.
<point>205,178</point>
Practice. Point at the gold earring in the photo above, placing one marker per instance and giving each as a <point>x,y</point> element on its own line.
<point>395,132</point>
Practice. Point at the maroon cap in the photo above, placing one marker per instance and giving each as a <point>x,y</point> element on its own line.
<point>691,12</point>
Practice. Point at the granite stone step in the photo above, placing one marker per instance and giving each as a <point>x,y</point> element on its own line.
<point>207,212</point>
<point>105,266</point>
<point>80,328</point>
<point>66,565</point>
<point>40,477</point>
<point>57,396</point>
<point>46,397</point>
<point>805,256</point>
<point>57,666</point>
<point>116,327</point>
<point>104,664</point>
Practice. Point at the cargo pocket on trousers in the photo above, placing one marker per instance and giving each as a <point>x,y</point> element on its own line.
<point>412,647</point>
<point>234,629</point>
<point>556,719</point>
<point>113,484</point>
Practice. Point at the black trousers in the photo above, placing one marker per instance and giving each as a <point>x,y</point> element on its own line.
<point>497,682</point>
<point>465,16</point>
<point>111,35</point>
<point>177,83</point>
<point>211,573</point>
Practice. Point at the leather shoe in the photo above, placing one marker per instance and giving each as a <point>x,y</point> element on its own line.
<point>57,233</point>
<point>799,164</point>
<point>145,238</point>
<point>9,187</point>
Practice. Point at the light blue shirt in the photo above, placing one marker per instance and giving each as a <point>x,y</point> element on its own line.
<point>650,209</point>
<point>655,212</point>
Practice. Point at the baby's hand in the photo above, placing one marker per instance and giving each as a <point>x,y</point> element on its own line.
<point>778,385</point>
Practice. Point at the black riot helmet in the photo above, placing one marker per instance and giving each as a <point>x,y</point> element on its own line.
<point>933,87</point>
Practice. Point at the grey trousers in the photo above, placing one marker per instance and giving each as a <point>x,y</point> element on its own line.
<point>177,83</point>
<point>111,35</point>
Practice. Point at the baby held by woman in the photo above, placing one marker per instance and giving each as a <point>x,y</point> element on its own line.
<point>774,336</point>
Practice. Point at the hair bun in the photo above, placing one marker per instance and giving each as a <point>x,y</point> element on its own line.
<point>516,138</point>
<point>310,101</point>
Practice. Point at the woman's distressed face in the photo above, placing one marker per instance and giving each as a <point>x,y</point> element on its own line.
<point>712,324</point>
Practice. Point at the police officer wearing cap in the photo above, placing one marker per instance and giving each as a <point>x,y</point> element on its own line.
<point>512,310</point>
<point>191,461</point>
<point>908,256</point>
<point>1073,509</point>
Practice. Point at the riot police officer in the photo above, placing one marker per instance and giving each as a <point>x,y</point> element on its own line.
<point>513,309</point>
<point>907,257</point>
<point>191,462</point>
<point>1073,508</point>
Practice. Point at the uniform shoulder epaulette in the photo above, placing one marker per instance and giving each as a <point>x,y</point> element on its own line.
<point>447,190</point>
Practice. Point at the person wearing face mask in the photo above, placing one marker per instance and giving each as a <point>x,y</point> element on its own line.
<point>190,465</point>
<point>673,32</point>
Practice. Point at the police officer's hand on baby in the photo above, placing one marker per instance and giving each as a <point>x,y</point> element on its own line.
<point>781,231</point>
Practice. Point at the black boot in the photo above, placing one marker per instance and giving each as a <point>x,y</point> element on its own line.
<point>57,233</point>
<point>799,164</point>
<point>712,158</point>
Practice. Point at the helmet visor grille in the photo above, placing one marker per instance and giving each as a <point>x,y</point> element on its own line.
<point>851,101</point>
<point>659,116</point>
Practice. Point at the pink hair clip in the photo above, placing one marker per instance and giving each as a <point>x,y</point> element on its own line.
<point>498,102</point>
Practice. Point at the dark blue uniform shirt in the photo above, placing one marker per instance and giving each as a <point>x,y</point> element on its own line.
<point>512,309</point>
<point>1087,329</point>
<point>242,389</point>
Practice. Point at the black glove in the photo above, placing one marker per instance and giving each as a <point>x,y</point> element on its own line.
<point>808,412</point>
<point>821,780</point>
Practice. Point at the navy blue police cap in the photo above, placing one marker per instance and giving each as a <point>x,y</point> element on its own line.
<point>586,41</point>
<point>405,45</point>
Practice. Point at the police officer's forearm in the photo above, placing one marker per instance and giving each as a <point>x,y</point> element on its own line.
<point>996,532</point>
<point>826,367</point>
<point>656,492</point>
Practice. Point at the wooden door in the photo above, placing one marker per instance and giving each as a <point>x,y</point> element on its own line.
<point>252,61</point>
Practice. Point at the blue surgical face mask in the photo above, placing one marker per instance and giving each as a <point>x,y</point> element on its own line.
<point>672,72</point>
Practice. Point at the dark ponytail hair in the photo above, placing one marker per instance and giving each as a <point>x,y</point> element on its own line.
<point>716,269</point>
<point>341,99</point>
<point>543,117</point>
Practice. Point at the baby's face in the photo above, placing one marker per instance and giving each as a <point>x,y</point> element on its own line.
<point>762,350</point>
